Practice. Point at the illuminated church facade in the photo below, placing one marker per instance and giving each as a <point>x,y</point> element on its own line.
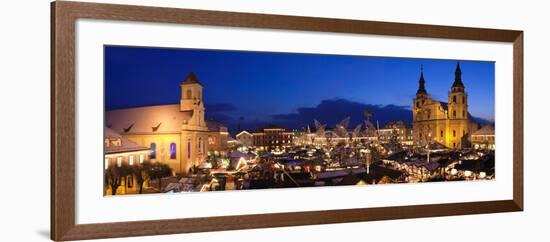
<point>447,123</point>
<point>175,134</point>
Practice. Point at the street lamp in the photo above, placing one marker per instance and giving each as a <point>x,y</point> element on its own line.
<point>367,158</point>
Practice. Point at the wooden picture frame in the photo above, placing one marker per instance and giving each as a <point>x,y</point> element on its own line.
<point>63,18</point>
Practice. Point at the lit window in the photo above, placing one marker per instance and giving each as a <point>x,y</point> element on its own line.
<point>106,163</point>
<point>153,151</point>
<point>119,161</point>
<point>141,158</point>
<point>173,151</point>
<point>131,160</point>
<point>107,142</point>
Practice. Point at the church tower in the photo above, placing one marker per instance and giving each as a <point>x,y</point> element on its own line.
<point>458,111</point>
<point>421,96</point>
<point>191,100</point>
<point>419,103</point>
<point>194,131</point>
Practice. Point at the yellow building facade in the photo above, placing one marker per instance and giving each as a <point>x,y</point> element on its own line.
<point>175,134</point>
<point>120,151</point>
<point>447,123</point>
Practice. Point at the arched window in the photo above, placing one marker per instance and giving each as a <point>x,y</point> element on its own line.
<point>173,151</point>
<point>454,113</point>
<point>189,149</point>
<point>454,133</point>
<point>463,99</point>
<point>454,99</point>
<point>199,145</point>
<point>441,133</point>
<point>188,94</point>
<point>463,114</point>
<point>153,151</point>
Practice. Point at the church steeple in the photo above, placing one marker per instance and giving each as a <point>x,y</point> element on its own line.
<point>191,79</point>
<point>191,100</point>
<point>457,84</point>
<point>421,82</point>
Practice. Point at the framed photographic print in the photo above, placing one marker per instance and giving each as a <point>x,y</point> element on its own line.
<point>172,120</point>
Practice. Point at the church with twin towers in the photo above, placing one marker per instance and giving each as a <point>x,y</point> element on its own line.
<point>447,123</point>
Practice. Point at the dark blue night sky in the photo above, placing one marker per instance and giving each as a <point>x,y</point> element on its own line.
<point>288,89</point>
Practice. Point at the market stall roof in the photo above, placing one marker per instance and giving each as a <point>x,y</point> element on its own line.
<point>174,187</point>
<point>332,174</point>
<point>485,130</point>
<point>485,163</point>
<point>350,179</point>
<point>436,146</point>
<point>236,155</point>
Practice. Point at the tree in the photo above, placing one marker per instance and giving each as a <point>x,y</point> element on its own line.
<point>142,174</point>
<point>114,176</point>
<point>394,138</point>
<point>159,171</point>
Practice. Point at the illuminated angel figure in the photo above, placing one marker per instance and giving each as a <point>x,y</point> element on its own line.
<point>342,127</point>
<point>320,128</point>
<point>369,127</point>
<point>357,130</point>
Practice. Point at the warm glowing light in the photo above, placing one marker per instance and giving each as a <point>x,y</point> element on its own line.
<point>454,172</point>
<point>482,175</point>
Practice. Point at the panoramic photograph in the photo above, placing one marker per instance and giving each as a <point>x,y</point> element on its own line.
<point>198,120</point>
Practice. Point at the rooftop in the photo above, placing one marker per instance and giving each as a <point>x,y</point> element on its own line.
<point>125,144</point>
<point>147,120</point>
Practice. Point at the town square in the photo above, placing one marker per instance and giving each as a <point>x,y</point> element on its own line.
<point>179,147</point>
